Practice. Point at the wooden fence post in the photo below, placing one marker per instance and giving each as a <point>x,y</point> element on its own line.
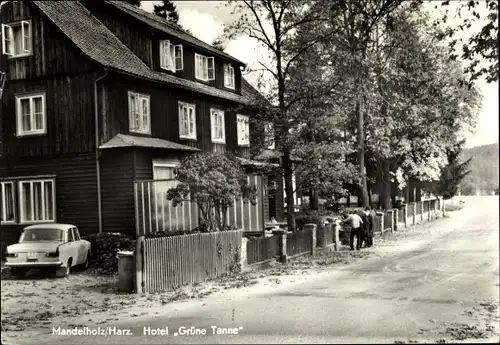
<point>396,219</point>
<point>381,216</point>
<point>314,238</point>
<point>414,213</point>
<point>392,219</point>
<point>243,255</point>
<point>406,215</point>
<point>436,205</point>
<point>421,211</point>
<point>429,211</point>
<point>284,256</point>
<point>139,260</point>
<point>336,239</point>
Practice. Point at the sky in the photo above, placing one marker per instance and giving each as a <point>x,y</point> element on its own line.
<point>206,19</point>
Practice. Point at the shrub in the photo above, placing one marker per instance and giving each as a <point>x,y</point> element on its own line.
<point>103,250</point>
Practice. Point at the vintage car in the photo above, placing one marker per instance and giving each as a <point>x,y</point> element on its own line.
<point>48,246</point>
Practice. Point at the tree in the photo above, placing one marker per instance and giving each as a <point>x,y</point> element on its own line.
<point>167,10</point>
<point>481,49</point>
<point>274,24</point>
<point>212,181</point>
<point>452,174</point>
<point>218,43</point>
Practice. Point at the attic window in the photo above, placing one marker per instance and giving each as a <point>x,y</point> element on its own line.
<point>204,67</point>
<point>171,56</point>
<point>16,39</point>
<point>229,76</point>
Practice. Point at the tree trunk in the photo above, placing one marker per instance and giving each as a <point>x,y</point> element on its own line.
<point>314,198</point>
<point>407,192</point>
<point>348,200</point>
<point>385,185</point>
<point>411,190</point>
<point>370,196</point>
<point>290,203</point>
<point>394,193</point>
<point>418,192</point>
<point>361,152</point>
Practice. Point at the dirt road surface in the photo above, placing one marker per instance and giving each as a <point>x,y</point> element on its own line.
<point>437,282</point>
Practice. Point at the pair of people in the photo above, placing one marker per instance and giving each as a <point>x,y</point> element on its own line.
<point>361,228</point>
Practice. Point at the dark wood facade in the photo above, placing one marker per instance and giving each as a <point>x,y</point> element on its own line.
<point>75,186</point>
<point>67,151</point>
<point>164,111</point>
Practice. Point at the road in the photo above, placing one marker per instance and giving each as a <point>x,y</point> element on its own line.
<point>411,291</point>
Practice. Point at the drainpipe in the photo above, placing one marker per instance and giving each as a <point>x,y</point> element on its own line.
<point>97,164</point>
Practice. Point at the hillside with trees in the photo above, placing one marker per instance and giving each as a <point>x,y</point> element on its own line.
<point>484,170</point>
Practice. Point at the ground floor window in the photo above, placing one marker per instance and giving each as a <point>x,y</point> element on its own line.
<point>8,206</point>
<point>30,200</point>
<point>36,201</point>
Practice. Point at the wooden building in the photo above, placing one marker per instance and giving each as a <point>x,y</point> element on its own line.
<point>99,94</point>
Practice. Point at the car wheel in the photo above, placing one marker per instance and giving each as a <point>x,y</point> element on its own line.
<point>64,271</point>
<point>18,272</point>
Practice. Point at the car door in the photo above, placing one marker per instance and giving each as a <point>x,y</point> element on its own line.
<point>79,247</point>
<point>71,247</point>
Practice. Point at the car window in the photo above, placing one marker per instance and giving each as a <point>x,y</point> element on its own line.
<point>76,234</point>
<point>70,236</point>
<point>35,235</point>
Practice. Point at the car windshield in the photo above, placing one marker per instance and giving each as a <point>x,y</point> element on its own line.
<point>35,235</point>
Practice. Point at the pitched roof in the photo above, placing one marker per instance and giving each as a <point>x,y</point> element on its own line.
<point>169,28</point>
<point>96,41</point>
<point>125,140</point>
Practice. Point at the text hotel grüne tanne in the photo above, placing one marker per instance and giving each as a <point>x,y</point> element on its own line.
<point>109,331</point>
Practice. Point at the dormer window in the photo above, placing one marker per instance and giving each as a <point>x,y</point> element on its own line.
<point>204,67</point>
<point>229,76</point>
<point>16,39</point>
<point>171,56</point>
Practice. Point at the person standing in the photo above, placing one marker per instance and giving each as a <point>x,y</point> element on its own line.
<point>369,227</point>
<point>356,222</point>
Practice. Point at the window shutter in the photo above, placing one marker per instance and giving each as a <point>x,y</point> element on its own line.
<point>7,39</point>
<point>131,110</point>
<point>26,36</point>
<point>210,68</point>
<point>171,57</point>
<point>145,114</point>
<point>214,119</point>
<point>192,128</point>
<point>179,58</point>
<point>181,127</point>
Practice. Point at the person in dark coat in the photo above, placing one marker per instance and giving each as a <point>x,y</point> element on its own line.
<point>370,223</point>
<point>364,227</point>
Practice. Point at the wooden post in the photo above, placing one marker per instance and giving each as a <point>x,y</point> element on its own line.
<point>396,219</point>
<point>336,238</point>
<point>406,215</point>
<point>392,219</point>
<point>284,256</point>
<point>314,239</point>
<point>243,255</point>
<point>414,213</point>
<point>421,211</point>
<point>139,258</point>
<point>381,216</point>
<point>429,211</point>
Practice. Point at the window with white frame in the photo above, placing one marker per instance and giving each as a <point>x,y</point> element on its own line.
<point>218,127</point>
<point>139,113</point>
<point>187,121</point>
<point>7,207</point>
<point>37,201</point>
<point>16,39</point>
<point>31,114</point>
<point>269,135</point>
<point>171,56</point>
<point>243,127</point>
<point>204,68</point>
<point>229,76</point>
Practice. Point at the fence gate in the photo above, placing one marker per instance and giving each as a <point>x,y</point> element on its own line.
<point>153,212</point>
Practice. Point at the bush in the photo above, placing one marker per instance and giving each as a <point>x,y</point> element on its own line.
<point>3,249</point>
<point>103,250</point>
